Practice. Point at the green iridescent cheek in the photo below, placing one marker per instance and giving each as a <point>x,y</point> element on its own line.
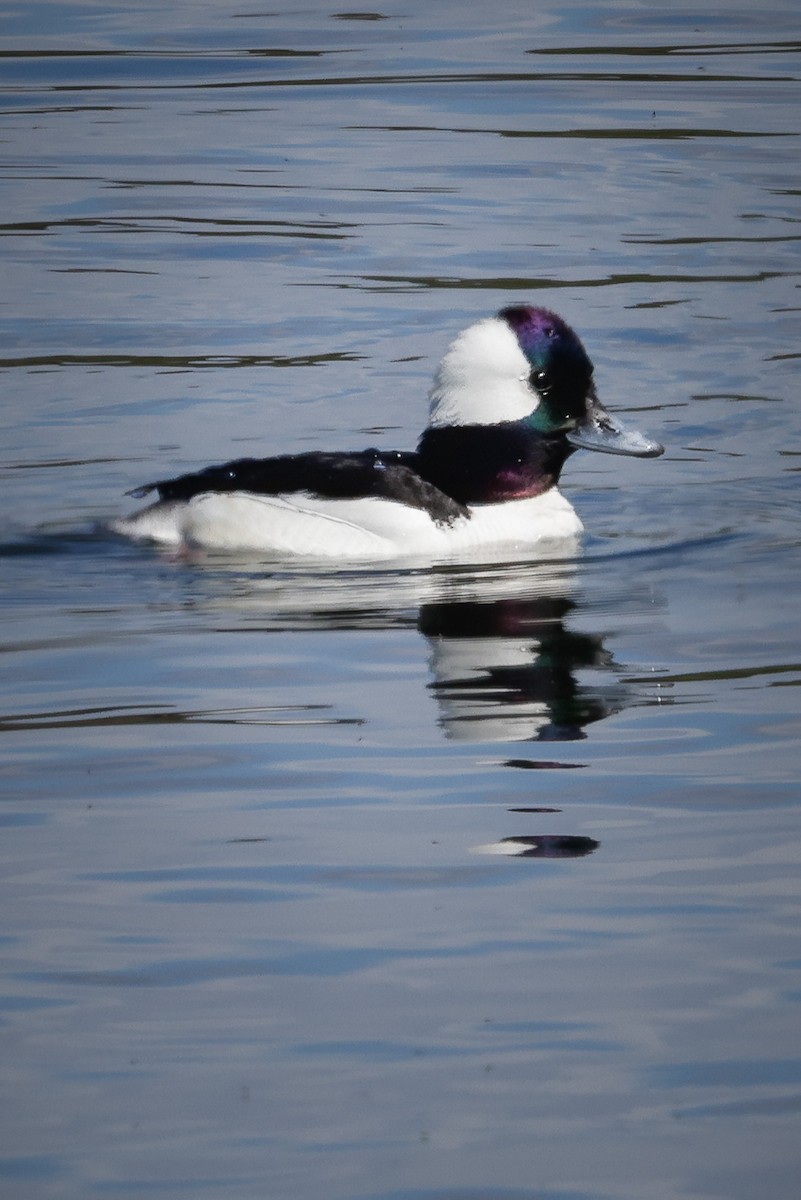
<point>544,420</point>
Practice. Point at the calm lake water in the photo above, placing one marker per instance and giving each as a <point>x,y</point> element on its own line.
<point>264,936</point>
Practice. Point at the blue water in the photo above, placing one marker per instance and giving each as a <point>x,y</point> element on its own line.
<point>467,884</point>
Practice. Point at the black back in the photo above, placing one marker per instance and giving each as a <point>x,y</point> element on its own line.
<point>392,475</point>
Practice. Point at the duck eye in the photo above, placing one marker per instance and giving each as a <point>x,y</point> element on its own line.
<point>540,380</point>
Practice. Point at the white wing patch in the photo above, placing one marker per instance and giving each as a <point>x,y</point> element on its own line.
<point>483,379</point>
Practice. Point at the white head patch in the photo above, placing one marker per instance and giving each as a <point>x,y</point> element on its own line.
<point>483,378</point>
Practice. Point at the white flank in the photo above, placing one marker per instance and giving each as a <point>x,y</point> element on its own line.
<point>368,529</point>
<point>483,378</point>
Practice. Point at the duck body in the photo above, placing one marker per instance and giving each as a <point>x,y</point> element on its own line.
<point>512,399</point>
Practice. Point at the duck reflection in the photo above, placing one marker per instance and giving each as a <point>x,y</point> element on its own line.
<point>505,660</point>
<point>510,670</point>
<point>542,846</point>
<point>506,665</point>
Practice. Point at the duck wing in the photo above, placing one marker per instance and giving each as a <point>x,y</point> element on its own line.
<point>389,475</point>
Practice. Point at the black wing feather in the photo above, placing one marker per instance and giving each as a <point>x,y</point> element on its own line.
<point>392,475</point>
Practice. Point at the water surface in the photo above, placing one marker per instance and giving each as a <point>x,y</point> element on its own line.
<point>400,884</point>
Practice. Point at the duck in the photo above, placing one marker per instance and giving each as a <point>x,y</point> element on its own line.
<point>512,399</point>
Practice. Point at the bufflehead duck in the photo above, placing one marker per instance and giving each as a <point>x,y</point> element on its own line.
<point>511,401</point>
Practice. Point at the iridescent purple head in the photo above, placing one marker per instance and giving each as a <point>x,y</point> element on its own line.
<point>526,365</point>
<point>559,362</point>
<point>561,376</point>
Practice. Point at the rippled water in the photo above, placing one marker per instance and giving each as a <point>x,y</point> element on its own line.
<point>399,885</point>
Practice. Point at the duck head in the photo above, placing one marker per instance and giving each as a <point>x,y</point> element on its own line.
<point>527,364</point>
